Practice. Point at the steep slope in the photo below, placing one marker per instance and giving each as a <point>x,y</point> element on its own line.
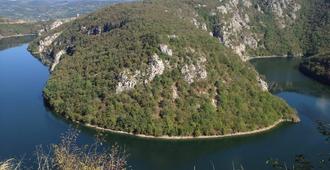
<point>266,27</point>
<point>145,68</point>
<point>317,62</point>
<point>317,67</point>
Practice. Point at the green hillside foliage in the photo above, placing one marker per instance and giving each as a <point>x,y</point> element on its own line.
<point>317,25</point>
<point>317,67</point>
<point>83,86</point>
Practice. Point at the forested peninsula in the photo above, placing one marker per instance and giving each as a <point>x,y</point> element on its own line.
<point>171,68</point>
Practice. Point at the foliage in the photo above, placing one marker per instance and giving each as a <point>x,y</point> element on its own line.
<point>317,67</point>
<point>83,86</point>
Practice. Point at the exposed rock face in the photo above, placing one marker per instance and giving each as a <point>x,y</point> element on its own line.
<point>263,84</point>
<point>56,24</point>
<point>194,72</point>
<point>156,67</point>
<point>174,92</point>
<point>127,81</point>
<point>284,9</point>
<point>172,36</point>
<point>198,24</point>
<point>57,60</point>
<point>234,29</point>
<point>230,31</point>
<point>43,44</point>
<point>204,27</point>
<point>165,49</point>
<point>195,22</point>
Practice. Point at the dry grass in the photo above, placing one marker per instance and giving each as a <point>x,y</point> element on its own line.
<point>67,155</point>
<point>9,164</point>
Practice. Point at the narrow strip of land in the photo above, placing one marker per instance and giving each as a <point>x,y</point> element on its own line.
<point>270,56</point>
<point>16,35</point>
<point>193,137</point>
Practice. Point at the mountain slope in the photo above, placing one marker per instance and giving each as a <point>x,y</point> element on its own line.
<point>145,68</point>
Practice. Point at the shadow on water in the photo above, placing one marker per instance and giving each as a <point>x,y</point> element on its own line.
<point>10,42</point>
<point>283,75</point>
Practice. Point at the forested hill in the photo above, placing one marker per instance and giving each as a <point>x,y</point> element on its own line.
<point>152,68</point>
<point>317,63</point>
<point>317,67</point>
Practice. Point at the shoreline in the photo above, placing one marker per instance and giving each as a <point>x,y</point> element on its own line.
<point>17,35</point>
<point>270,56</point>
<point>166,137</point>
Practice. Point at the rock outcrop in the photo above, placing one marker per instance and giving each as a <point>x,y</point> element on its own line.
<point>127,81</point>
<point>156,68</point>
<point>165,49</point>
<point>234,17</point>
<point>57,59</point>
<point>194,72</point>
<point>47,41</point>
<point>263,84</point>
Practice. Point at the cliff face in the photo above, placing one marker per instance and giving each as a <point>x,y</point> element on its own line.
<point>250,27</point>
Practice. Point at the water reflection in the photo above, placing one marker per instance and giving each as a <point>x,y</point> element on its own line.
<point>6,43</point>
<point>284,74</point>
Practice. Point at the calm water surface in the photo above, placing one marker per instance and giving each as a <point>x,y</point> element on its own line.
<point>26,122</point>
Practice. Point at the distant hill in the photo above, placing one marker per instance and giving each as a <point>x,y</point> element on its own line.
<point>19,27</point>
<point>37,10</point>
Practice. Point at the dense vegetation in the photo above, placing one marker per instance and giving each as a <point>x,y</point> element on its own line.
<point>316,36</point>
<point>317,67</point>
<point>317,62</point>
<point>123,37</point>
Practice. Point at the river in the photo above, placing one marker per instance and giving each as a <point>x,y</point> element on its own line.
<point>25,122</point>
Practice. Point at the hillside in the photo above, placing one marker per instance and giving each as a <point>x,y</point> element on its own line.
<point>317,67</point>
<point>145,68</point>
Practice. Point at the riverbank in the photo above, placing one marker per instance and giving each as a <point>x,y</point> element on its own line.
<point>257,131</point>
<point>317,68</point>
<point>17,35</point>
<point>270,56</point>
